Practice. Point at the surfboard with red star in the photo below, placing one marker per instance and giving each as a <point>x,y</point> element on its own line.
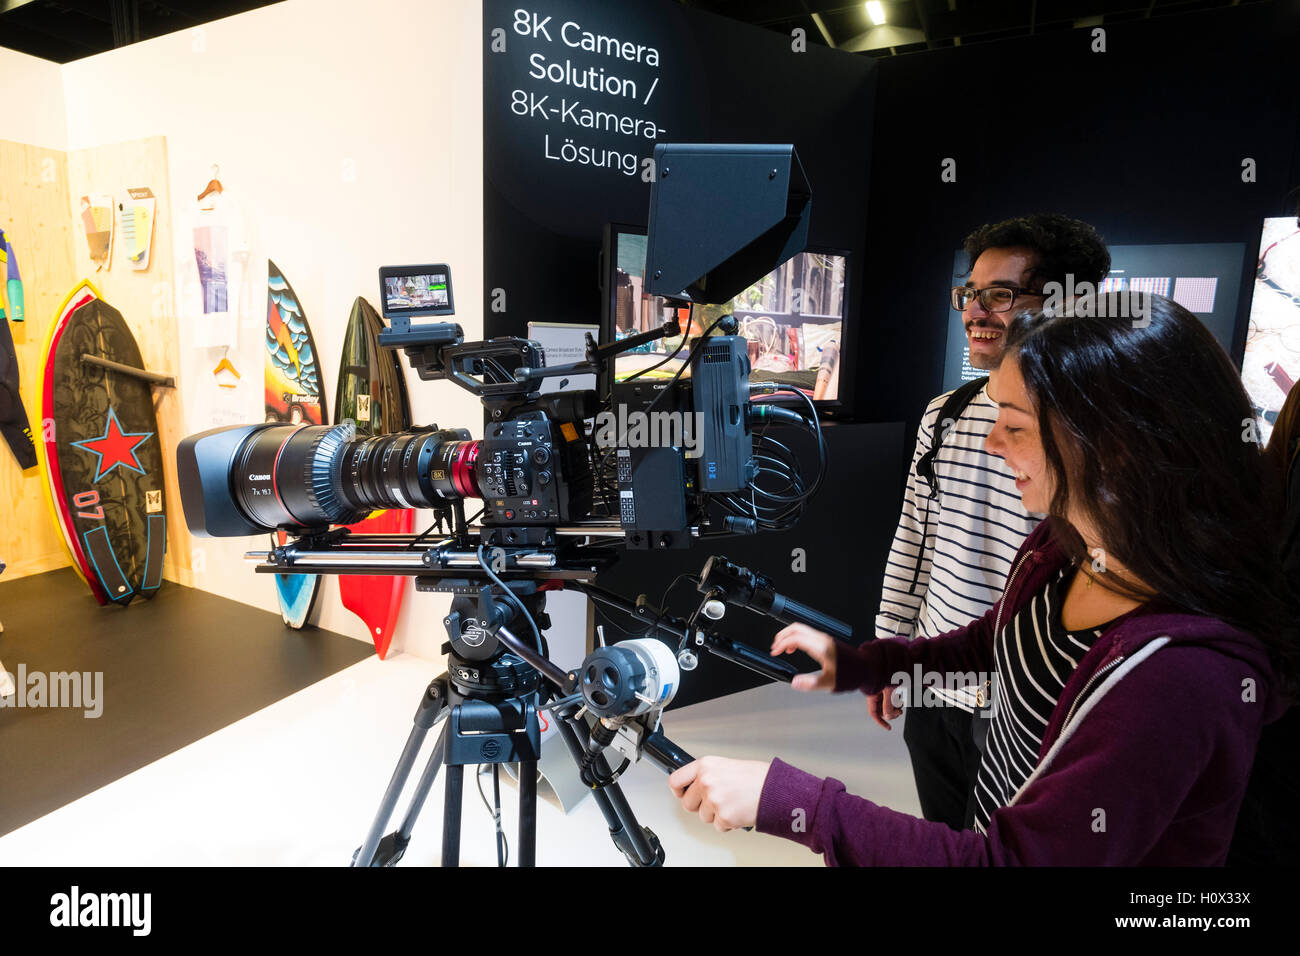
<point>103,457</point>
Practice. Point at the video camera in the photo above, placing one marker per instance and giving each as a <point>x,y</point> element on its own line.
<point>565,479</point>
<point>570,464</point>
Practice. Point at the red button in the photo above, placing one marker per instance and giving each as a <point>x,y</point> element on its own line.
<point>510,514</point>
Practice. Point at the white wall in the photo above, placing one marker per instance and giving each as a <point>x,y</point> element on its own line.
<point>349,137</point>
<point>33,109</point>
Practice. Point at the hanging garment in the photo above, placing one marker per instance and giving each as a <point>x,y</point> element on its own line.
<point>14,424</point>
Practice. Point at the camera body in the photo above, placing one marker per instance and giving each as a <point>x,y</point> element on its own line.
<point>729,215</point>
<point>538,465</point>
<point>533,470</point>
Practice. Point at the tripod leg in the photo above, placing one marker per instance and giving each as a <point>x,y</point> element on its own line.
<point>631,840</point>
<point>638,840</point>
<point>451,815</point>
<point>528,813</point>
<point>423,787</point>
<point>432,708</point>
<point>366,854</point>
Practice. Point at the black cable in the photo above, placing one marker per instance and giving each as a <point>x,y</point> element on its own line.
<point>614,359</point>
<point>813,423</point>
<point>781,506</point>
<point>690,357</point>
<point>792,481</point>
<point>513,599</point>
<point>426,532</point>
<point>663,601</point>
<point>668,358</point>
<point>601,471</point>
<point>598,602</point>
<point>612,623</point>
<point>821,439</point>
<point>496,813</point>
<point>503,846</point>
<point>493,365</point>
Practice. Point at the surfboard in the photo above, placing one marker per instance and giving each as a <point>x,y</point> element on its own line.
<point>372,392</point>
<point>52,485</point>
<point>101,453</point>
<point>293,395</point>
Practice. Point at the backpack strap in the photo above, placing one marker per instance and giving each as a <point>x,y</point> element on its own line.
<point>1291,530</point>
<point>952,409</point>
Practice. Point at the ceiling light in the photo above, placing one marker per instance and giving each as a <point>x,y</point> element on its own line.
<point>876,11</point>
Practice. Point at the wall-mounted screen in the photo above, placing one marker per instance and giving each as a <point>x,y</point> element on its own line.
<point>1271,363</point>
<point>1204,278</point>
<point>793,318</point>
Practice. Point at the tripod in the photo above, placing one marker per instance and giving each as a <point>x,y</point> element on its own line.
<point>489,699</point>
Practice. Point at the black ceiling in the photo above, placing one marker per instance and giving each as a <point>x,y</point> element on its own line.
<point>64,30</point>
<point>917,25</point>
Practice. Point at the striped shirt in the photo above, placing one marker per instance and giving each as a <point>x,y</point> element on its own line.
<point>1035,656</point>
<point>952,553</point>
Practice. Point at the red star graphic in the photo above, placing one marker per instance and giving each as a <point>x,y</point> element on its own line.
<point>115,447</point>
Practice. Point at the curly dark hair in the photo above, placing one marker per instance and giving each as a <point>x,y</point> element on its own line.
<point>1157,424</point>
<point>1062,246</point>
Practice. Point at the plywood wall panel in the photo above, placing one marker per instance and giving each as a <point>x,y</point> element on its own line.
<point>34,215</point>
<point>145,298</point>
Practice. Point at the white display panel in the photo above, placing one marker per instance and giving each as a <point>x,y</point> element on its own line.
<point>1272,360</point>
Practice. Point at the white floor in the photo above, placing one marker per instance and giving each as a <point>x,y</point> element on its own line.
<point>298,783</point>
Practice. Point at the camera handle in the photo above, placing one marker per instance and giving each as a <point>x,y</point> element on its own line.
<point>597,355</point>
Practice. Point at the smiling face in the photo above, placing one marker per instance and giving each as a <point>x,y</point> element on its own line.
<point>985,330</point>
<point>1016,440</point>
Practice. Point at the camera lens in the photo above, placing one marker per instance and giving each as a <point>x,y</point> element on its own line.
<point>286,476</point>
<point>409,470</point>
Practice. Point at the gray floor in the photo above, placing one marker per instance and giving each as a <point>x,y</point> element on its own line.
<point>173,670</point>
<point>297,784</point>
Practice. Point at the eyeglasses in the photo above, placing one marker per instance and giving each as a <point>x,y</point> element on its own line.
<point>996,298</point>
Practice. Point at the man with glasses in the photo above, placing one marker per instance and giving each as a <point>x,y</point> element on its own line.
<point>962,520</point>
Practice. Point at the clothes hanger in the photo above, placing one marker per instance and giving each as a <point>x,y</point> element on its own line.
<point>226,366</point>
<point>213,186</point>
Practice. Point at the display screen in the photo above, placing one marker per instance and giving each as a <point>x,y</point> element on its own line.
<point>792,318</point>
<point>416,290</point>
<point>1272,360</point>
<point>1204,278</point>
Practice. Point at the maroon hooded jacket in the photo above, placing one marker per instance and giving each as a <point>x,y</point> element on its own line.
<point>1148,767</point>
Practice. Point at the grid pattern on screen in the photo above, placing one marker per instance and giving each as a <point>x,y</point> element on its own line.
<point>1151,285</point>
<point>1195,294</point>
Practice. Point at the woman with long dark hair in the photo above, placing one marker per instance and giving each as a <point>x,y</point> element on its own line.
<point>1143,640</point>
